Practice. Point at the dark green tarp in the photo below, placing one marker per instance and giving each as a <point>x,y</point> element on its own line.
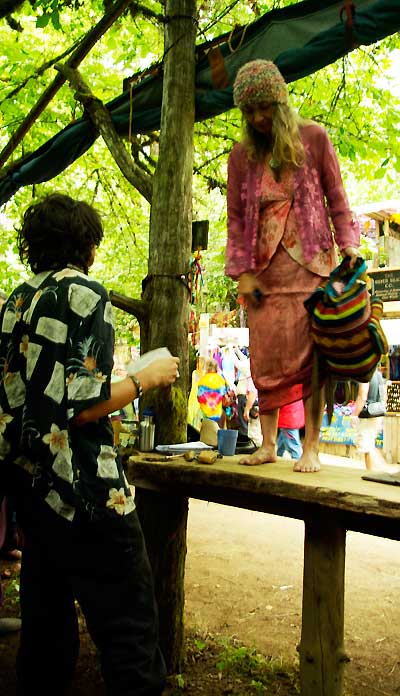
<point>300,39</point>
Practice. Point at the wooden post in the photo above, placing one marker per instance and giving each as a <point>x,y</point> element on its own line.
<point>166,295</point>
<point>322,656</point>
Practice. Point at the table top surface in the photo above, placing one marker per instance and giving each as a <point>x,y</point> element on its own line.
<point>334,487</point>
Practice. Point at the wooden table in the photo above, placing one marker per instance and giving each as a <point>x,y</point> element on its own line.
<point>330,502</point>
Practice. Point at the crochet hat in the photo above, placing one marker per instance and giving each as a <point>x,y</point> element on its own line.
<point>259,81</point>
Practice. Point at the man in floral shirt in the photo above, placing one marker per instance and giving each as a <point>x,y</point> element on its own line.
<point>57,461</point>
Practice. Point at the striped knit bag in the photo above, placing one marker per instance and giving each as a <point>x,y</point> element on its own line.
<point>345,324</point>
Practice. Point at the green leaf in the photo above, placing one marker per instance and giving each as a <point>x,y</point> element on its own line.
<point>43,20</point>
<point>55,20</point>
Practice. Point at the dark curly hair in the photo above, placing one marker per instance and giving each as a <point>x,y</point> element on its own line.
<point>57,231</point>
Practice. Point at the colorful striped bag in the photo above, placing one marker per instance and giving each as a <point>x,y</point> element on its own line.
<point>345,324</point>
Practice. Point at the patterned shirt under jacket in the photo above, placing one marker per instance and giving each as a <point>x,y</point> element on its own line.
<point>56,357</point>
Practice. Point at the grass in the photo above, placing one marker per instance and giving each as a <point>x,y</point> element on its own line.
<point>216,665</point>
<point>11,591</point>
<point>266,675</point>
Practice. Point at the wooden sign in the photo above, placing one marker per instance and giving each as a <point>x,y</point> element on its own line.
<point>386,284</point>
<point>393,397</point>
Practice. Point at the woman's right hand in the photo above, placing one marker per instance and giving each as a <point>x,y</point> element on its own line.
<point>353,253</point>
<point>159,373</point>
<point>250,286</point>
<point>248,282</point>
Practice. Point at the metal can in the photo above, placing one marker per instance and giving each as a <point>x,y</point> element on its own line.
<point>146,433</point>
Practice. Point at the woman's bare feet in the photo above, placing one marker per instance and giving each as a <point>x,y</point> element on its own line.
<point>308,463</point>
<point>263,455</point>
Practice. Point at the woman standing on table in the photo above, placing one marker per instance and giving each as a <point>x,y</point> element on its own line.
<point>280,244</point>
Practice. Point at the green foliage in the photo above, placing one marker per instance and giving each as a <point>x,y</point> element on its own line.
<point>180,681</point>
<point>11,592</point>
<point>264,672</point>
<point>237,669</point>
<point>368,247</point>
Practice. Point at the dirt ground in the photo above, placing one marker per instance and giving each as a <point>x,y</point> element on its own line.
<point>244,582</point>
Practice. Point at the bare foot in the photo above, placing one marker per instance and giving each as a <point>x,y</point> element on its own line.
<point>262,456</point>
<point>308,463</point>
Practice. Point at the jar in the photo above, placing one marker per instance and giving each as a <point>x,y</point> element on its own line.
<point>146,432</point>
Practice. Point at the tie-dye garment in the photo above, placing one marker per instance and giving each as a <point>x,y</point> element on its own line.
<point>211,389</point>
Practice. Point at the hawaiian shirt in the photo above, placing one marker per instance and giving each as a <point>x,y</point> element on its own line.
<point>56,357</point>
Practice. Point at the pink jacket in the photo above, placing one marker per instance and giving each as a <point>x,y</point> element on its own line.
<point>317,183</point>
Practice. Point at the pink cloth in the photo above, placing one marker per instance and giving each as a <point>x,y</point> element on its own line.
<point>319,179</point>
<point>278,224</point>
<point>281,347</point>
<point>292,415</point>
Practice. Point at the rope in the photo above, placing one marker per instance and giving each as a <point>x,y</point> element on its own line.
<point>229,42</point>
<point>169,18</point>
<point>181,277</point>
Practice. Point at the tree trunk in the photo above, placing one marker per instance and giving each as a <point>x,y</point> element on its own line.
<point>166,294</point>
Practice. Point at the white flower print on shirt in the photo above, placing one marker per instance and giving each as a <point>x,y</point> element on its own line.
<point>70,378</point>
<point>18,304</point>
<point>4,447</point>
<point>4,419</point>
<point>23,346</point>
<point>56,439</point>
<point>117,500</point>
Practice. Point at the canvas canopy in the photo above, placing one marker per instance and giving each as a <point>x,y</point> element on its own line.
<point>312,36</point>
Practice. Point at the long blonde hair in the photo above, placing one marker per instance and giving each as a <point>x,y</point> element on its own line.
<point>287,147</point>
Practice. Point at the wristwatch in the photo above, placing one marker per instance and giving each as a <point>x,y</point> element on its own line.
<point>138,386</point>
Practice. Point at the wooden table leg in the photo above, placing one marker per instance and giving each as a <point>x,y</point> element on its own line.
<point>322,656</point>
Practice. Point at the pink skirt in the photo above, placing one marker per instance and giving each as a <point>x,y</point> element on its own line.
<point>281,348</point>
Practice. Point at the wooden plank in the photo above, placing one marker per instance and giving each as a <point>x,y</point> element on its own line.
<point>391,440</point>
<point>365,506</point>
<point>322,656</point>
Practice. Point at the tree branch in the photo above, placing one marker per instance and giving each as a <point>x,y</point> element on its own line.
<point>14,24</point>
<point>138,308</point>
<point>100,117</point>
<point>137,8</point>
<point>9,6</point>
<point>41,69</point>
<point>87,43</point>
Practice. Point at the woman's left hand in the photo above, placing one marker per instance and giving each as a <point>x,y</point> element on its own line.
<point>354,254</point>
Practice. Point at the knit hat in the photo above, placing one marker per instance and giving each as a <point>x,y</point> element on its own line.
<point>259,81</point>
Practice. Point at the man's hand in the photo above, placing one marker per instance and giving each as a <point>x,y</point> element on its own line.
<point>159,373</point>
